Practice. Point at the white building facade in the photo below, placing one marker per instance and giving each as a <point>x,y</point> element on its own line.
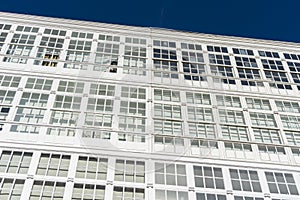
<point>93,111</point>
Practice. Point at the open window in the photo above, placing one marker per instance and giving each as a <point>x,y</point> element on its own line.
<point>113,68</point>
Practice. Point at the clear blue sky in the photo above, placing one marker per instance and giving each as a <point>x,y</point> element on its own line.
<point>267,19</point>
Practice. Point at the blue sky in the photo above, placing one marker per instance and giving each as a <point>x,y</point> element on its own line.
<point>266,19</point>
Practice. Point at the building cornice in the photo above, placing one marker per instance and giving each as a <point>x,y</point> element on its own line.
<point>148,32</point>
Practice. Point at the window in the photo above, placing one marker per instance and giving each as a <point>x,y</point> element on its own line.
<point>133,108</point>
<point>290,122</point>
<point>296,154</point>
<point>39,84</point>
<point>52,42</point>
<point>205,147</point>
<point>102,120</point>
<point>18,50</point>
<point>291,56</point>
<point>100,105</point>
<point>4,110</point>
<point>11,188</point>
<point>293,138</point>
<point>268,54</point>
<point>281,183</point>
<point>5,27</point>
<point>231,116</point>
<point>191,60</point>
<point>245,62</point>
<point>55,32</point>
<point>6,96</point>
<point>235,133</point>
<point>238,150</point>
<point>267,136</point>
<point>15,162</point>
<point>262,119</point>
<point>107,52</point>
<point>247,74</point>
<point>167,111</point>
<point>102,89</point>
<point>76,66</point>
<point>114,49</point>
<point>25,129</point>
<point>288,106</point>
<point>64,118</point>
<point>206,196</point>
<point>2,39</point>
<point>168,127</point>
<point>23,39</point>
<point>80,45</point>
<point>222,71</point>
<point>276,76</point>
<point>228,101</point>
<point>53,165</point>
<point>272,153</point>
<point>166,95</point>
<point>9,81</point>
<point>50,51</point>
<point>194,71</point>
<point>168,144</point>
<point>130,171</point>
<point>34,99</point>
<point>161,43</point>
<point>96,134</point>
<point>217,49</point>
<point>191,46</point>
<point>200,114</point>
<point>135,40</point>
<point>202,130</point>
<point>294,66</point>
<point>109,38</point>
<point>133,92</point>
<point>78,56</point>
<point>29,115</point>
<point>258,104</point>
<point>295,70</point>
<point>296,78</point>
<point>134,65</point>
<point>91,168</point>
<point>272,64</point>
<point>169,194</point>
<point>82,35</point>
<point>245,180</point>
<point>47,190</point>
<point>170,174</point>
<point>27,29</point>
<point>208,177</point>
<point>88,191</point>
<point>165,60</point>
<point>219,59</point>
<point>128,137</point>
<point>61,132</point>
<point>15,60</point>
<point>198,98</point>
<point>243,51</point>
<point>165,69</point>
<point>192,57</point>
<point>135,51</point>
<point>248,198</point>
<point>136,124</point>
<point>124,193</point>
<point>67,102</point>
